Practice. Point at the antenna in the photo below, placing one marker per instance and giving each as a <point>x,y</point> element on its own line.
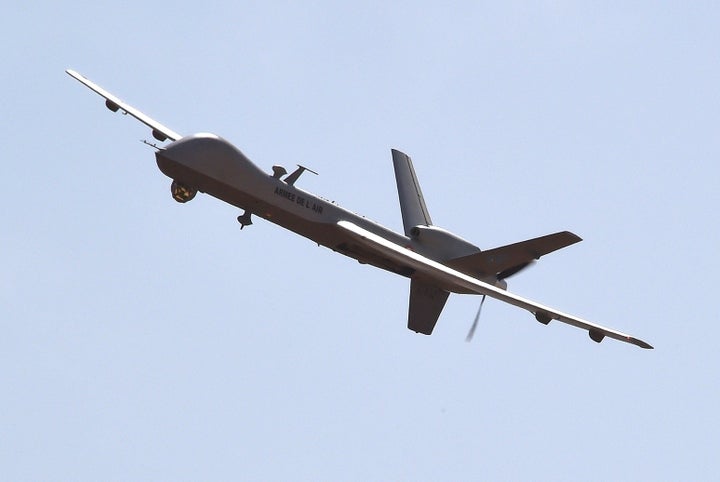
<point>290,180</point>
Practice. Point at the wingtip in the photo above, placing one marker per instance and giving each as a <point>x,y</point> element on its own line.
<point>640,343</point>
<point>74,74</point>
<point>574,237</point>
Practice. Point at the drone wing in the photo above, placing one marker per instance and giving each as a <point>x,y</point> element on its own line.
<point>446,276</point>
<point>159,131</point>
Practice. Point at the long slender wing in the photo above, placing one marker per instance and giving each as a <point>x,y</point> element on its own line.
<point>452,277</point>
<point>160,132</point>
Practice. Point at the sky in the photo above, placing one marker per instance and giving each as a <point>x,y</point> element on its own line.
<point>143,339</point>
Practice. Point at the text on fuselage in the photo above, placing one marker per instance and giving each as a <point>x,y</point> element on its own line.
<point>307,203</point>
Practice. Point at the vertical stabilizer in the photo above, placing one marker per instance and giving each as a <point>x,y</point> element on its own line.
<point>412,204</point>
<point>426,304</point>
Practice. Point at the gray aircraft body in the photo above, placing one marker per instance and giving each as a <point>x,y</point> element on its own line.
<point>436,261</point>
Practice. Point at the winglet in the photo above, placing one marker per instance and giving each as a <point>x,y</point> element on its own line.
<point>412,203</point>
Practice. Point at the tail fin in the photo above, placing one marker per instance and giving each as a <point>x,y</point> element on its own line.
<point>412,204</point>
<point>508,260</point>
<point>426,304</point>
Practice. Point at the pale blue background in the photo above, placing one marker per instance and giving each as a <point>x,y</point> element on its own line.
<point>146,340</point>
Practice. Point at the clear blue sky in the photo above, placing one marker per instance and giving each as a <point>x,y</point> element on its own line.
<point>146,340</point>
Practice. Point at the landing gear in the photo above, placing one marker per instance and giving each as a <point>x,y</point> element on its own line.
<point>182,193</point>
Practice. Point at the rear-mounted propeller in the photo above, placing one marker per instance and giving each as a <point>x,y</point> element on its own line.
<point>514,270</point>
<point>470,334</point>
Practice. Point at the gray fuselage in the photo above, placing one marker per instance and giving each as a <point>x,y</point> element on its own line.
<point>212,165</point>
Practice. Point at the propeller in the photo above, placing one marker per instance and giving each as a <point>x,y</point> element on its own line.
<point>470,334</point>
<point>500,276</point>
<point>514,270</point>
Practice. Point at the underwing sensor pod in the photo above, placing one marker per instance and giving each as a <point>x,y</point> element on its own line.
<point>436,261</point>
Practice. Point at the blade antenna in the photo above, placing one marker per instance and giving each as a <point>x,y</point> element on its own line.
<point>470,334</point>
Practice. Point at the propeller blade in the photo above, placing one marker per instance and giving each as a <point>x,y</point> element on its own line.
<point>514,270</point>
<point>475,322</point>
